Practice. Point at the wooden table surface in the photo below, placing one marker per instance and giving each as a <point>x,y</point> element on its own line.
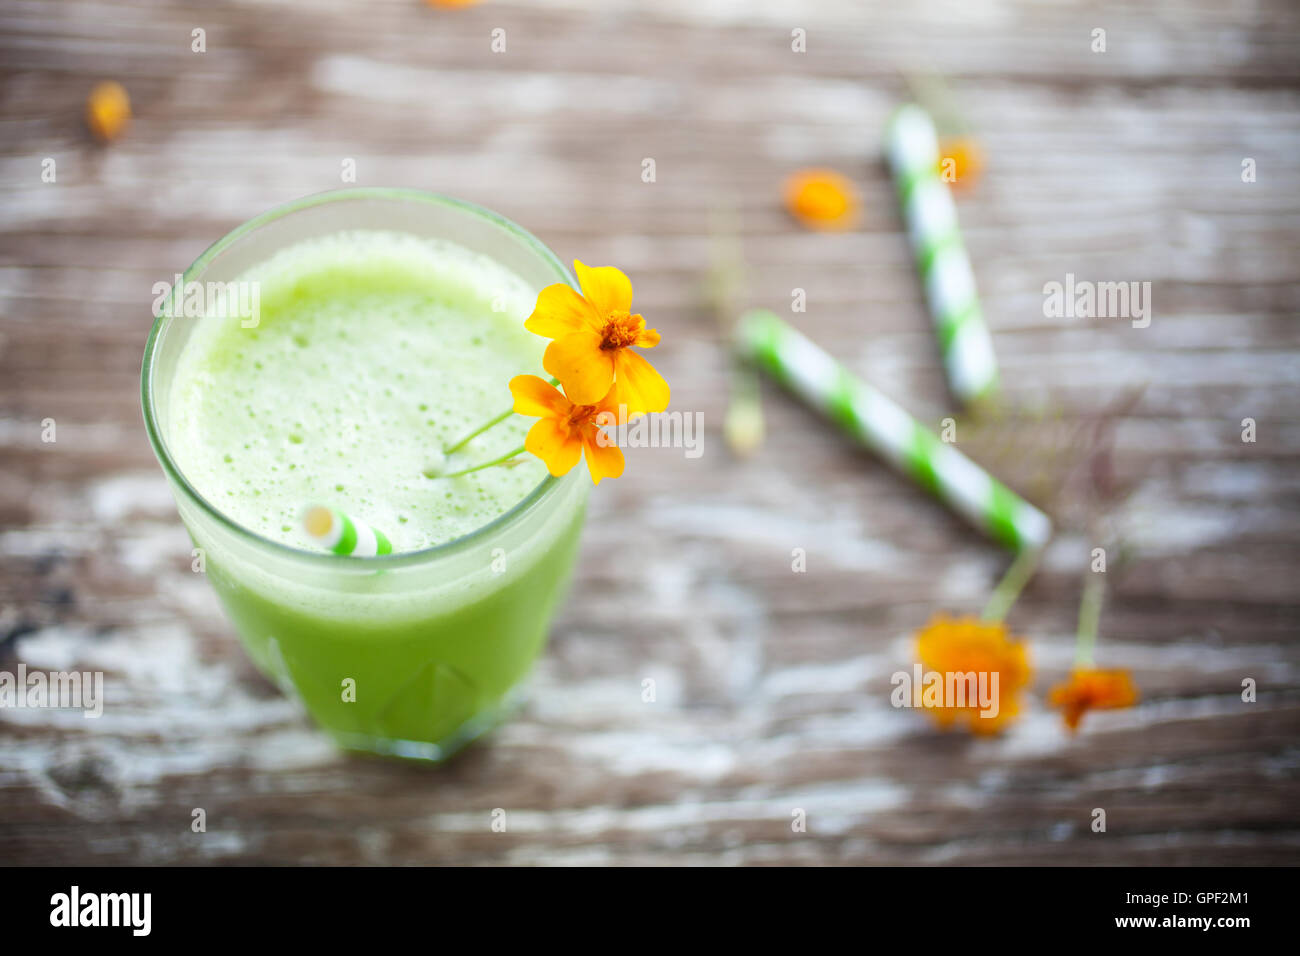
<point>772,686</point>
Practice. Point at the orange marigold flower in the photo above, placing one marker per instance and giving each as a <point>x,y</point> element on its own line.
<point>565,430</point>
<point>108,110</point>
<point>967,645</point>
<point>594,334</point>
<point>451,3</point>
<point>822,199</point>
<point>1089,689</point>
<point>960,162</point>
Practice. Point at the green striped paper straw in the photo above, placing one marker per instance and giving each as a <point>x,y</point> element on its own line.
<point>336,532</point>
<point>931,217</point>
<point>876,421</point>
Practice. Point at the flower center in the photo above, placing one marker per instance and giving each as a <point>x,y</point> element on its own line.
<point>581,415</point>
<point>621,330</point>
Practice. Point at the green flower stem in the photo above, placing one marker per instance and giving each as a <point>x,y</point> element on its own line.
<point>487,464</point>
<point>1012,583</point>
<point>478,431</point>
<point>1094,589</point>
<point>481,429</point>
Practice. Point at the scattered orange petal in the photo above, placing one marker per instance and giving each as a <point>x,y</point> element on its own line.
<point>822,199</point>
<point>960,162</point>
<point>1089,689</point>
<point>108,110</point>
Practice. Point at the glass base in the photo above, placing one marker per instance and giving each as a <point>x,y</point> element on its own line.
<point>427,751</point>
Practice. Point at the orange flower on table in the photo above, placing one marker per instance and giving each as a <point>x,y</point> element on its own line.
<point>1089,689</point>
<point>965,645</point>
<point>108,110</point>
<point>565,431</point>
<point>822,199</point>
<point>960,162</point>
<point>451,3</point>
<point>593,337</point>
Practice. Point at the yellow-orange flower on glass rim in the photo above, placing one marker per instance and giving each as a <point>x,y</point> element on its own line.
<point>593,336</point>
<point>566,431</point>
<point>960,162</point>
<point>1090,689</point>
<point>963,645</point>
<point>108,110</point>
<point>822,199</point>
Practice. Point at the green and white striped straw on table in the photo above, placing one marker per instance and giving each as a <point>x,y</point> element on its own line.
<point>334,531</point>
<point>931,216</point>
<point>877,422</point>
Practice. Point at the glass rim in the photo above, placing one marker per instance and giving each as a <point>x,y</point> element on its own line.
<point>548,485</point>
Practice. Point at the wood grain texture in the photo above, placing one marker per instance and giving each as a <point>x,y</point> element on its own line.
<point>772,686</point>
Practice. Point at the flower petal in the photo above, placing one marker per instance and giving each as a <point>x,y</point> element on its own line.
<point>605,287</point>
<point>648,338</point>
<point>604,457</point>
<point>822,199</point>
<point>554,444</point>
<point>536,397</point>
<point>560,311</point>
<point>636,385</point>
<point>582,366</point>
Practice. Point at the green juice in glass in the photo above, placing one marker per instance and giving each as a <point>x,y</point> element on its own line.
<point>372,349</point>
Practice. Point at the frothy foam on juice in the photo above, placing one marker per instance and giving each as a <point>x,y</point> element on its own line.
<point>372,351</point>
